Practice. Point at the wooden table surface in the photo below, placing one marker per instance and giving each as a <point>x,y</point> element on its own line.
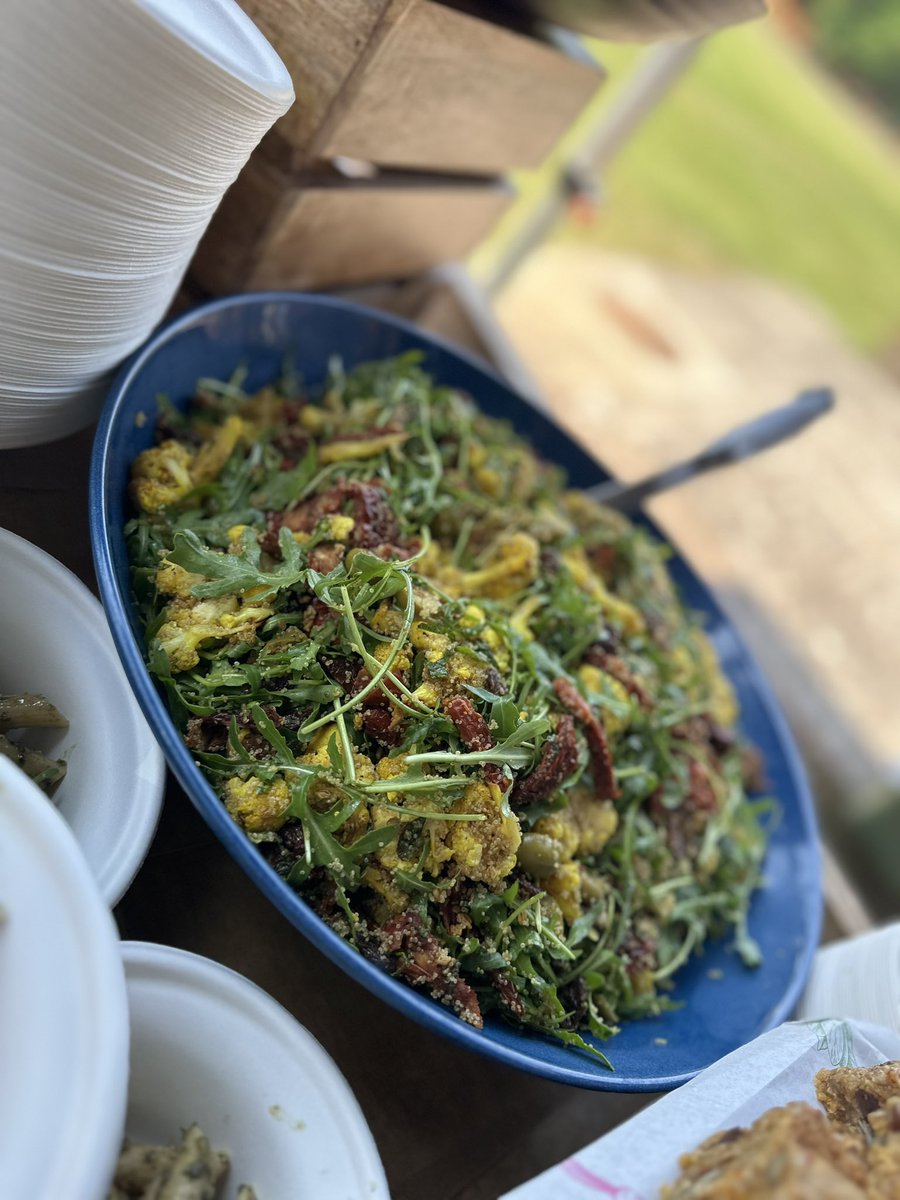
<point>448,1123</point>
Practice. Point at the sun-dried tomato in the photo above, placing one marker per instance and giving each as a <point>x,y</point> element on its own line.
<point>419,958</point>
<point>559,758</point>
<point>605,785</point>
<point>470,724</point>
<point>598,656</point>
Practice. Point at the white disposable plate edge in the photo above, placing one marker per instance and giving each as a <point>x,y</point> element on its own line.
<point>147,781</point>
<point>222,32</point>
<point>63,911</point>
<point>165,968</point>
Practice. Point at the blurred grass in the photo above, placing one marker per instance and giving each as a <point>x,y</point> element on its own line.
<point>753,162</point>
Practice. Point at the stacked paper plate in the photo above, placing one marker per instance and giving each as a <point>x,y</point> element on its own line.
<point>857,978</point>
<point>124,121</point>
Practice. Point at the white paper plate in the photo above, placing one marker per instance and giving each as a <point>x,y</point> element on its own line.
<point>63,1010</point>
<point>207,1045</point>
<point>636,1159</point>
<point>54,640</point>
<point>222,32</point>
<point>124,123</point>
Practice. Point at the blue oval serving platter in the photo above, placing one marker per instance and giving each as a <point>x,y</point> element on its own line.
<point>724,1004</point>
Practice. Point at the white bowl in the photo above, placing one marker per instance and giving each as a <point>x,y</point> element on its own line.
<point>207,1045</point>
<point>63,1008</point>
<point>54,639</point>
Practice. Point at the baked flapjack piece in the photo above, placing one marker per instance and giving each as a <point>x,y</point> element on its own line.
<point>797,1152</point>
<point>850,1095</point>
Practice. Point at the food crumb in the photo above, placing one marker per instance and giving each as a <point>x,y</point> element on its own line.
<point>276,1111</point>
<point>661,1041</point>
<point>715,973</point>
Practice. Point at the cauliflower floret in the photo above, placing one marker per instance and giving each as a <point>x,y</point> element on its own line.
<point>436,565</point>
<point>190,623</point>
<point>355,826</point>
<point>595,820</point>
<point>162,475</point>
<point>435,645</point>
<point>383,651</point>
<point>391,900</point>
<point>561,828</point>
<point>462,670</point>
<point>484,850</point>
<point>723,705</point>
<point>512,564</point>
<point>215,453</point>
<point>428,693</point>
<point>390,767</point>
<point>389,856</point>
<point>330,528</point>
<point>165,473</point>
<point>564,885</point>
<point>323,793</point>
<point>235,535</point>
<point>695,668</point>
<point>473,619</point>
<point>602,683</point>
<point>387,619</point>
<point>359,447</point>
<point>491,481</point>
<point>589,581</point>
<point>172,580</point>
<point>521,618</point>
<point>581,829</point>
<point>317,754</point>
<point>256,806</point>
<point>428,605</point>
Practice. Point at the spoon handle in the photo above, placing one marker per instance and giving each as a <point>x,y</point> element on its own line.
<point>745,440</point>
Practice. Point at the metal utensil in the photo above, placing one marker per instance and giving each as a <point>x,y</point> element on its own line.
<point>750,438</point>
<point>639,20</point>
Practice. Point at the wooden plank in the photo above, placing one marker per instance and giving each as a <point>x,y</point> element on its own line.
<point>846,914</point>
<point>239,228</point>
<point>335,236</point>
<point>278,230</point>
<point>320,42</point>
<point>442,89</point>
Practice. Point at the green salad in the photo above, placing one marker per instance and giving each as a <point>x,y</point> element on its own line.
<point>459,708</point>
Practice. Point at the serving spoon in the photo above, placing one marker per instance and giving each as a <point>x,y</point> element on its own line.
<point>746,439</point>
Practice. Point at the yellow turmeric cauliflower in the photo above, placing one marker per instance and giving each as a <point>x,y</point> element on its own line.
<point>191,623</point>
<point>484,850</point>
<point>510,565</point>
<point>256,806</point>
<point>165,473</point>
<point>162,475</point>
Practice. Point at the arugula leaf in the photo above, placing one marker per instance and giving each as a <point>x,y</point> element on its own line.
<point>283,488</point>
<point>513,751</point>
<point>235,574</point>
<point>271,733</point>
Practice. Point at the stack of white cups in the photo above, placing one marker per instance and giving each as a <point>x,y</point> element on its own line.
<point>123,123</point>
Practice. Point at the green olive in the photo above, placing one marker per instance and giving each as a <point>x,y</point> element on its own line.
<point>539,854</point>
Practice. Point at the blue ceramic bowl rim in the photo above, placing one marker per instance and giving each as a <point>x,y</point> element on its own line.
<point>402,997</point>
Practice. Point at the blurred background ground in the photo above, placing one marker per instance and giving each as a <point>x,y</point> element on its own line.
<point>747,244</point>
